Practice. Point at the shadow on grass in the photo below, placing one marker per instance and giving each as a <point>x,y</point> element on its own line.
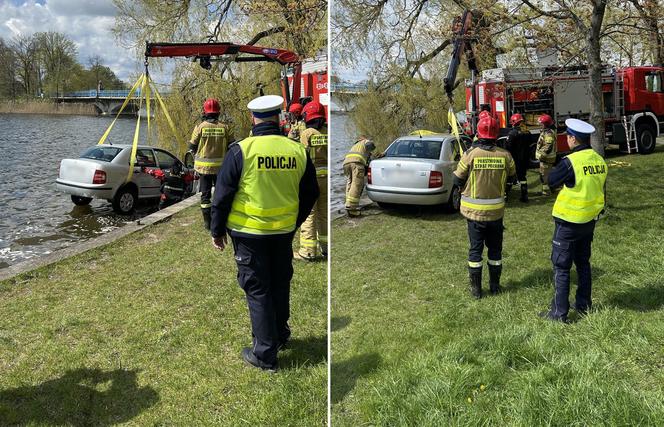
<point>647,298</point>
<point>428,213</point>
<point>307,351</point>
<point>345,374</point>
<point>540,277</point>
<point>80,397</point>
<point>337,323</point>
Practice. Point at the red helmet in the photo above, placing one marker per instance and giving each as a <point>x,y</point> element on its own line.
<point>488,128</point>
<point>296,109</point>
<point>211,106</point>
<point>483,114</point>
<point>545,120</point>
<point>313,110</point>
<point>516,119</point>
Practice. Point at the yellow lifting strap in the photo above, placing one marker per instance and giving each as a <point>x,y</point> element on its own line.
<point>138,83</point>
<point>132,158</point>
<point>168,116</point>
<point>452,120</point>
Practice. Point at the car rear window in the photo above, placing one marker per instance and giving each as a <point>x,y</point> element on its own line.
<point>105,154</point>
<point>415,148</point>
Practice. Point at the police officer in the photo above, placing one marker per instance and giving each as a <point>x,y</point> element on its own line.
<point>265,190</point>
<point>518,144</point>
<point>482,173</point>
<point>296,123</point>
<point>546,150</point>
<point>313,233</point>
<point>355,169</point>
<point>582,175</point>
<point>209,142</point>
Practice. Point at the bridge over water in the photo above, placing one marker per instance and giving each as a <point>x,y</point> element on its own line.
<point>105,101</point>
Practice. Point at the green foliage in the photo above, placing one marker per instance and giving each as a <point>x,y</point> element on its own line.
<point>412,348</point>
<point>148,331</point>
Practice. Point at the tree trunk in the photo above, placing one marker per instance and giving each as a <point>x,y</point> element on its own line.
<point>595,68</point>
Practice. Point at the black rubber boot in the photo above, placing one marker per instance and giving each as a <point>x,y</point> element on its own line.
<point>524,193</point>
<point>475,275</point>
<point>494,278</point>
<point>206,217</point>
<point>508,188</point>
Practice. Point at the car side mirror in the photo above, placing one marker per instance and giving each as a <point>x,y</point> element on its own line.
<point>189,160</point>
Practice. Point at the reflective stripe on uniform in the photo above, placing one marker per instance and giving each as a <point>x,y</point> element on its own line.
<point>352,199</point>
<point>253,210</point>
<point>355,155</point>
<point>206,205</point>
<point>495,262</point>
<point>474,264</point>
<point>262,225</point>
<point>307,243</point>
<point>483,204</point>
<point>201,161</point>
<point>168,187</point>
<point>321,171</point>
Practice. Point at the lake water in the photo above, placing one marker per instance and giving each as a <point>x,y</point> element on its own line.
<point>35,219</point>
<point>343,137</point>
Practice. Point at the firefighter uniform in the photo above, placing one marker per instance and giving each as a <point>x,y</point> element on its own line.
<point>265,190</point>
<point>582,175</point>
<point>355,167</point>
<point>482,173</point>
<point>296,130</point>
<point>546,154</point>
<point>209,142</point>
<point>313,233</point>
<point>518,144</point>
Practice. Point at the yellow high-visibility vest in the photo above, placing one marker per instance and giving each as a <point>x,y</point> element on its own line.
<point>267,200</point>
<point>583,202</point>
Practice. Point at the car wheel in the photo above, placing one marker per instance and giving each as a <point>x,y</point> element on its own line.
<point>81,201</point>
<point>384,205</point>
<point>645,137</point>
<point>124,201</point>
<point>454,202</point>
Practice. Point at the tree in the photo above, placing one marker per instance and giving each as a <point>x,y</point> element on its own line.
<point>58,54</point>
<point>25,51</point>
<point>8,69</point>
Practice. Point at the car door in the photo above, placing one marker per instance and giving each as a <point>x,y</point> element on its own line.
<point>148,186</point>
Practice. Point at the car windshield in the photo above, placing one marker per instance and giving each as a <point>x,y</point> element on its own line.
<point>415,148</point>
<point>105,154</point>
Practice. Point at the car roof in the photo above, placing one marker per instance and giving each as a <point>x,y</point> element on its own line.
<point>123,146</point>
<point>436,137</point>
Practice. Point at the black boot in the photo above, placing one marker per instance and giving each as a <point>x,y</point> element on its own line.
<point>475,275</point>
<point>494,278</point>
<point>206,217</point>
<point>508,188</point>
<point>524,193</point>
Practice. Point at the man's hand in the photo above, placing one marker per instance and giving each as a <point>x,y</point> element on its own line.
<point>219,242</point>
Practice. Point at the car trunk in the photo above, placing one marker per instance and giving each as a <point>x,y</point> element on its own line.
<point>401,172</point>
<point>78,170</point>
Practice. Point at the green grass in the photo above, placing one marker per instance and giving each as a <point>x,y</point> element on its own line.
<point>148,331</point>
<point>410,347</point>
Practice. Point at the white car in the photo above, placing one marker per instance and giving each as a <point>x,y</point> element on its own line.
<point>417,170</point>
<point>101,171</point>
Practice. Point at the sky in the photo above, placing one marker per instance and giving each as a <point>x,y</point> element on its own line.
<point>87,23</point>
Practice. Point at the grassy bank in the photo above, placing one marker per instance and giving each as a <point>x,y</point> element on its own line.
<point>409,346</point>
<point>148,331</point>
<point>36,106</point>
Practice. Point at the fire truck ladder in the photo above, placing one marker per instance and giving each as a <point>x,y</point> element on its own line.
<point>630,133</point>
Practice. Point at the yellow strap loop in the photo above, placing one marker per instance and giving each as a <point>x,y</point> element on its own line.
<point>168,116</point>
<point>138,83</point>
<point>451,119</point>
<point>134,147</point>
<point>147,107</point>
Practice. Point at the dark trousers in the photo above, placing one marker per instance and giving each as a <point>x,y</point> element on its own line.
<point>264,272</point>
<point>489,233</point>
<point>206,182</point>
<point>571,244</point>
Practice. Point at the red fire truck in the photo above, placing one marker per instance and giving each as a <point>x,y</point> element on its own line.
<point>313,82</point>
<point>633,100</point>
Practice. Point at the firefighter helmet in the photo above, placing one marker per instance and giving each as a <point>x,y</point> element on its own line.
<point>313,110</point>
<point>488,128</point>
<point>211,106</point>
<point>545,120</point>
<point>295,108</point>
<point>516,119</point>
<point>483,114</point>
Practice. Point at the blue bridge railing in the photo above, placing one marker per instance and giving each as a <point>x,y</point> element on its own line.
<point>99,94</point>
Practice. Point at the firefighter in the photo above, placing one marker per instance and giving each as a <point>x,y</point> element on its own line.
<point>296,123</point>
<point>546,150</point>
<point>582,175</point>
<point>482,173</point>
<point>209,142</point>
<point>313,233</point>
<point>518,144</point>
<point>265,190</point>
<point>355,169</point>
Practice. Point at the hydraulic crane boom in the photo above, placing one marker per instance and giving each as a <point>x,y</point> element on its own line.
<point>461,44</point>
<point>205,53</point>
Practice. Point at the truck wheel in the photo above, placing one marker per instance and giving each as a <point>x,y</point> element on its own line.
<point>81,201</point>
<point>124,201</point>
<point>645,138</point>
<point>454,202</point>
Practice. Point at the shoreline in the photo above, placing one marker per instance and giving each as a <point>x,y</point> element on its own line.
<point>46,107</point>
